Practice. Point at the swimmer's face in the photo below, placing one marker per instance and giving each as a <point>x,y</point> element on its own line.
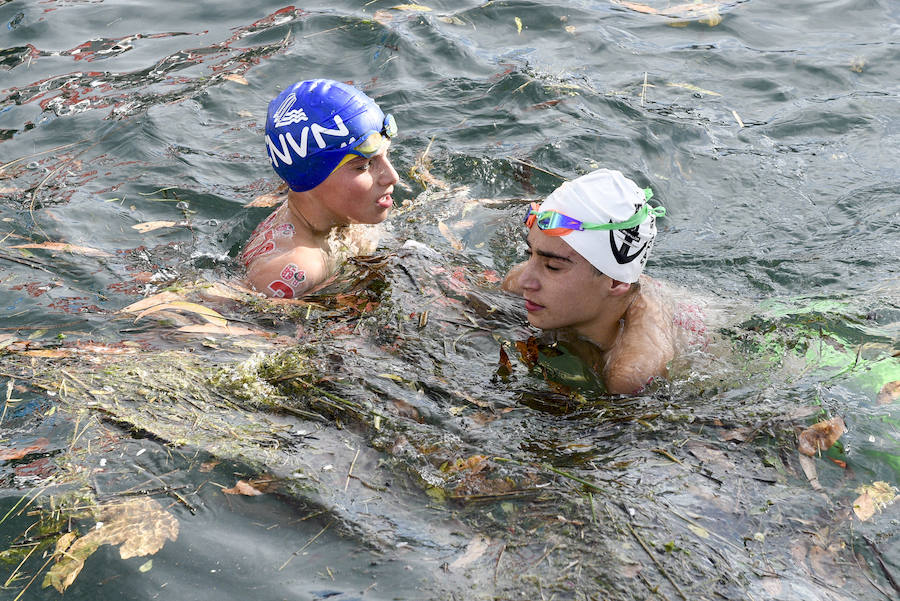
<point>561,289</point>
<point>360,191</point>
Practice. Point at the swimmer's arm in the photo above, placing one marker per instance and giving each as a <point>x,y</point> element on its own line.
<point>511,281</point>
<point>645,355</point>
<point>631,373</point>
<point>288,275</point>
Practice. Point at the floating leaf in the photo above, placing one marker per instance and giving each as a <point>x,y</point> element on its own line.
<point>692,88</point>
<point>226,330</point>
<point>699,531</point>
<point>809,468</point>
<point>150,301</point>
<point>889,393</point>
<point>451,238</point>
<point>505,367</point>
<point>149,226</point>
<point>206,313</point>
<point>873,498</point>
<point>139,526</point>
<point>518,25</point>
<point>146,566</point>
<point>267,200</point>
<point>242,488</point>
<point>48,353</point>
<point>706,12</point>
<point>528,350</point>
<point>820,436</point>
<point>237,79</point>
<point>475,549</point>
<point>38,445</point>
<point>415,7</point>
<point>64,247</point>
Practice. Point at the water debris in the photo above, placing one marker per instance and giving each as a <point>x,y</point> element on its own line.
<point>242,488</point>
<point>820,436</point>
<point>412,7</point>
<point>149,226</point>
<point>737,118</point>
<point>518,25</point>
<point>269,200</point>
<point>873,498</point>
<point>889,393</point>
<point>704,12</point>
<point>421,170</point>
<point>138,526</point>
<point>211,315</point>
<point>692,88</point>
<point>450,236</point>
<point>65,247</point>
<point>237,78</point>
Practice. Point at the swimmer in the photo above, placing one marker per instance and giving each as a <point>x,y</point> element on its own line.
<point>329,143</point>
<point>588,243</point>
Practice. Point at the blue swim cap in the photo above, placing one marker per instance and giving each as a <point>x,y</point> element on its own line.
<point>310,124</point>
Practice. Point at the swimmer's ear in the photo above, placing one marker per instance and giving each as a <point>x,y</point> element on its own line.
<point>617,288</point>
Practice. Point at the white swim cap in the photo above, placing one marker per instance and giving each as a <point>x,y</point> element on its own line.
<point>607,196</point>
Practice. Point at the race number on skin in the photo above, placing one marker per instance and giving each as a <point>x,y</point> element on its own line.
<point>290,282</point>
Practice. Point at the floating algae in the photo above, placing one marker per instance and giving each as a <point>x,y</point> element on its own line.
<point>492,478</point>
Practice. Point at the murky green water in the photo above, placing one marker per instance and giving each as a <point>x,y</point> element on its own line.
<point>398,458</point>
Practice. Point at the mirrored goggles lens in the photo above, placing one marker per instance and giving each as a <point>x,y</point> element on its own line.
<point>372,143</point>
<point>553,223</point>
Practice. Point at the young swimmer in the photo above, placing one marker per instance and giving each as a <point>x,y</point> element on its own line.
<point>329,142</point>
<point>591,243</point>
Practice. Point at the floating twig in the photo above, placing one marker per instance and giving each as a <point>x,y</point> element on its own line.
<point>304,547</point>
<point>350,471</point>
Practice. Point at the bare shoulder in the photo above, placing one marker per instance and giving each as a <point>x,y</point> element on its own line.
<point>288,274</point>
<point>645,348</point>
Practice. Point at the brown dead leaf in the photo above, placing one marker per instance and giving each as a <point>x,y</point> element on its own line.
<point>139,526</point>
<point>528,350</point>
<point>744,434</point>
<point>826,565</point>
<point>48,353</point>
<point>226,330</point>
<point>820,436</point>
<point>38,445</point>
<point>809,468</point>
<point>149,226</point>
<point>150,301</point>
<point>383,17</point>
<point>889,393</point>
<point>412,7</point>
<point>475,549</point>
<point>473,464</point>
<point>237,79</point>
<point>268,200</point>
<point>63,247</point>
<point>242,488</point>
<point>873,498</point>
<point>210,315</point>
<point>450,236</point>
<point>505,367</point>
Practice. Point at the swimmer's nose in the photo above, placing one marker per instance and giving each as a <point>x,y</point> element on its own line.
<point>388,175</point>
<point>527,281</point>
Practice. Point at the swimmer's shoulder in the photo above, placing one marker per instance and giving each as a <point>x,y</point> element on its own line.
<point>290,273</point>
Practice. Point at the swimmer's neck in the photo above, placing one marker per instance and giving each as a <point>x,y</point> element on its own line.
<point>606,331</point>
<point>310,214</point>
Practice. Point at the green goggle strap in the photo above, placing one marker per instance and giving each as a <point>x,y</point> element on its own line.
<point>633,221</point>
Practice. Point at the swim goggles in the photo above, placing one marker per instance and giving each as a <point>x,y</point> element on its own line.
<point>553,223</point>
<point>371,142</point>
